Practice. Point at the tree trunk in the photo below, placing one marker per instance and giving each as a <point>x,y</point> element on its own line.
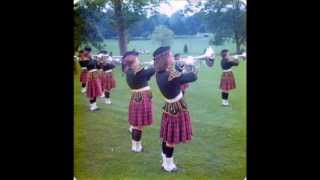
<point>236,7</point>
<point>238,43</point>
<point>123,42</point>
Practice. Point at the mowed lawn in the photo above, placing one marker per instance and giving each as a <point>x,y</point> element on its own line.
<point>217,150</point>
<point>196,46</point>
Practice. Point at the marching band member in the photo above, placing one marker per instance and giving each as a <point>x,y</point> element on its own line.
<point>100,64</point>
<point>176,122</point>
<point>108,81</point>
<point>123,72</point>
<point>94,89</point>
<point>140,106</point>
<point>83,61</point>
<point>227,81</point>
<point>179,66</point>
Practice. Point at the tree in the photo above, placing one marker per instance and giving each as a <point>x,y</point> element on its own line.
<point>124,14</point>
<point>159,19</point>
<point>162,35</point>
<point>77,30</point>
<point>195,23</point>
<point>104,24</point>
<point>227,20</point>
<point>138,28</point>
<point>177,23</point>
<point>85,26</point>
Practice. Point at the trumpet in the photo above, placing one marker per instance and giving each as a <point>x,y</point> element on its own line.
<point>209,54</point>
<point>100,56</point>
<point>238,56</point>
<point>107,58</point>
<point>189,62</point>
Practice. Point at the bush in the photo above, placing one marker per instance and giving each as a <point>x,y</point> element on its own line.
<point>162,35</point>
<point>185,49</point>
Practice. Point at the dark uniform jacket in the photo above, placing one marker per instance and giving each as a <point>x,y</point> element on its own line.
<point>108,66</point>
<point>83,63</point>
<point>139,79</point>
<point>227,64</point>
<point>170,87</point>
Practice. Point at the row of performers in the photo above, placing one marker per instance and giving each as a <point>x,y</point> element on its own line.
<point>96,76</point>
<point>176,126</point>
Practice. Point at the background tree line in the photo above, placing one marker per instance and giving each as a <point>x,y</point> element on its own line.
<point>96,20</point>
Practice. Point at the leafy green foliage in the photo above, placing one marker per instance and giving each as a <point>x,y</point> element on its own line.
<point>77,30</point>
<point>163,35</point>
<point>132,10</point>
<point>89,14</point>
<point>227,20</point>
<point>86,28</point>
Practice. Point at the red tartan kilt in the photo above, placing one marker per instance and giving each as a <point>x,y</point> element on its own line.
<point>103,81</point>
<point>176,129</point>
<point>109,82</point>
<point>94,88</point>
<point>227,82</point>
<point>141,113</point>
<point>184,86</point>
<point>84,76</point>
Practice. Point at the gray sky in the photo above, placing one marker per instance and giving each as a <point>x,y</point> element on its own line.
<point>172,7</point>
<point>175,5</point>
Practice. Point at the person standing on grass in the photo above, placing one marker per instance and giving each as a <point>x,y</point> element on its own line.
<point>100,59</point>
<point>176,122</point>
<point>179,66</point>
<point>83,61</point>
<point>94,89</point>
<point>108,82</point>
<point>227,81</point>
<point>140,107</point>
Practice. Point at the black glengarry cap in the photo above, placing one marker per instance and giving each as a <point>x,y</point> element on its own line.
<point>160,50</point>
<point>128,53</point>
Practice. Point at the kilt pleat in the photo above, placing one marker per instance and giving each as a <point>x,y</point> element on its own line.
<point>227,81</point>
<point>94,88</point>
<point>176,128</point>
<point>84,76</point>
<point>109,83</point>
<point>141,111</point>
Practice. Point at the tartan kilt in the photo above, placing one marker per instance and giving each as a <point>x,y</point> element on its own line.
<point>176,128</point>
<point>110,82</point>
<point>227,81</point>
<point>141,109</point>
<point>84,76</point>
<point>103,81</point>
<point>100,74</point>
<point>94,85</point>
<point>184,86</point>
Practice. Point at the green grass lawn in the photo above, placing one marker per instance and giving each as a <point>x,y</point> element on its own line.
<point>217,151</point>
